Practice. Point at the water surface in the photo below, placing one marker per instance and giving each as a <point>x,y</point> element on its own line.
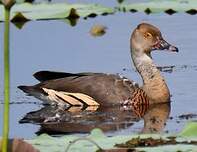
<point>56,46</point>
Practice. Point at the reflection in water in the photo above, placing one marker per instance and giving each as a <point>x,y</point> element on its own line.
<point>156,117</point>
<point>19,21</point>
<point>171,68</point>
<point>83,120</point>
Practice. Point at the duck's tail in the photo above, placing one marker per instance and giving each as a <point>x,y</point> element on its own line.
<point>26,89</point>
<point>31,90</point>
<point>35,91</point>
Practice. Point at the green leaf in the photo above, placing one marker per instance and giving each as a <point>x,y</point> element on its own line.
<point>47,143</point>
<point>20,1</point>
<point>189,130</point>
<point>156,6</point>
<point>43,11</point>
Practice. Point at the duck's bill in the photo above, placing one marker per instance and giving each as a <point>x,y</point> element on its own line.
<point>163,45</point>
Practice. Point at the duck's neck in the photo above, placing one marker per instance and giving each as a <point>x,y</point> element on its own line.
<point>153,83</point>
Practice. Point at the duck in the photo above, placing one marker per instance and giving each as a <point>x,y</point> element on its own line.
<point>100,89</point>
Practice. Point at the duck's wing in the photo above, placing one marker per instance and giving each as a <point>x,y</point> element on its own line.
<point>50,75</point>
<point>77,89</point>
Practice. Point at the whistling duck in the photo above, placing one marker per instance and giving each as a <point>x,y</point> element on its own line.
<point>109,89</point>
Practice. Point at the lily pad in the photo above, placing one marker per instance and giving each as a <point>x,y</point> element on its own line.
<point>43,11</point>
<point>97,140</point>
<point>190,130</point>
<point>157,6</point>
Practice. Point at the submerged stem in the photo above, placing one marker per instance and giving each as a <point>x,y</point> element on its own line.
<point>6,81</point>
<point>82,138</point>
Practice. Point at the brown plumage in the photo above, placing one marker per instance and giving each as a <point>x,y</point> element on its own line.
<point>109,89</point>
<point>105,89</point>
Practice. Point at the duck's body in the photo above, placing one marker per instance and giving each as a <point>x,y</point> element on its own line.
<point>105,89</point>
<point>109,89</point>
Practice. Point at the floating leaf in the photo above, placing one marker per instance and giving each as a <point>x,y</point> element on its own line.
<point>190,130</point>
<point>156,6</point>
<point>45,11</point>
<point>97,139</point>
<point>98,30</point>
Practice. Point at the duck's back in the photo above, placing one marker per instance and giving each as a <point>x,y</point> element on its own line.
<point>104,89</point>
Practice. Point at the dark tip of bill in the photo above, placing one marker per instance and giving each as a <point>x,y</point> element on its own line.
<point>173,49</point>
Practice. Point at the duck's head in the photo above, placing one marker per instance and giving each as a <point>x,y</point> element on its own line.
<point>146,38</point>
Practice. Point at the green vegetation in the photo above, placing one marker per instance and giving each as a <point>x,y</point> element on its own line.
<point>43,11</point>
<point>24,10</point>
<point>7,6</point>
<point>6,83</point>
<point>157,6</point>
<point>190,130</point>
<point>154,142</point>
<point>185,141</point>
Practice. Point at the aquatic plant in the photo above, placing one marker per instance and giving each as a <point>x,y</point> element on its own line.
<point>45,11</point>
<point>184,141</point>
<point>7,4</point>
<point>157,6</point>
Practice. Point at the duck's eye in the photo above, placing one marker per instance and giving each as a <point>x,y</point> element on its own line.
<point>147,35</point>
